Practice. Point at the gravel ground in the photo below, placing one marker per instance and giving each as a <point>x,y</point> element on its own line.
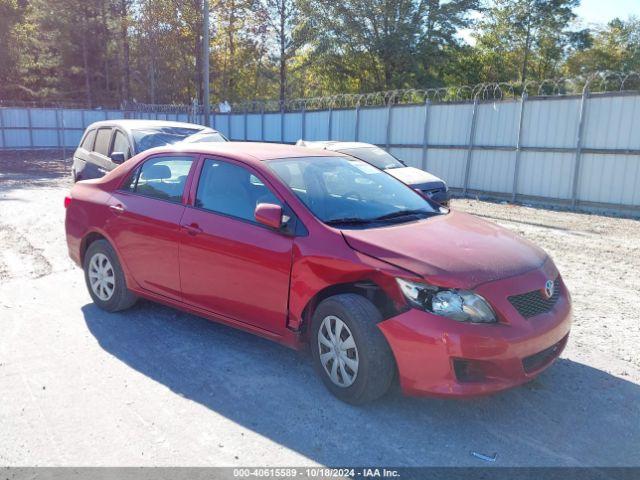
<point>154,386</point>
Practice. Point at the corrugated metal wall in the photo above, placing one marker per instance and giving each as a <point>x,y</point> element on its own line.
<point>578,150</point>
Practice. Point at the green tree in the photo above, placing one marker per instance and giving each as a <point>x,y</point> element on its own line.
<point>615,47</point>
<point>520,39</point>
<point>381,43</point>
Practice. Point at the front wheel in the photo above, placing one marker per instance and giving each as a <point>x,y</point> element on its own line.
<point>105,278</point>
<point>350,352</point>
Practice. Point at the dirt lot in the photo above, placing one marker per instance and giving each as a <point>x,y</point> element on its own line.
<point>153,386</point>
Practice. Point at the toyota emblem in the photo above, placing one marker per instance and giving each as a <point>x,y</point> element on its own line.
<point>549,288</point>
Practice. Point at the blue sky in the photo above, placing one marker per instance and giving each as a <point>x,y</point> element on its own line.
<point>601,11</point>
<point>593,11</point>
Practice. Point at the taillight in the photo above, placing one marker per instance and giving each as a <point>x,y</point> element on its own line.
<point>67,202</point>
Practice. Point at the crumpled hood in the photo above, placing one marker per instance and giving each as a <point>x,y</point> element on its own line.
<point>456,250</point>
<point>415,177</point>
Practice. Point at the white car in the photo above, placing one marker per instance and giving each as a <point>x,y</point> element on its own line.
<point>431,186</point>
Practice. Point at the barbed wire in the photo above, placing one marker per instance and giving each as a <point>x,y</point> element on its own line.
<point>595,82</point>
<point>598,82</point>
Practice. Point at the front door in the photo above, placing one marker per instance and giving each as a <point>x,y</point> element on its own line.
<point>145,222</point>
<point>231,265</point>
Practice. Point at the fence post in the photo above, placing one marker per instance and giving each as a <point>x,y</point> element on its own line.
<point>262,123</point>
<point>29,123</point>
<point>4,137</point>
<point>425,133</point>
<point>329,122</point>
<point>58,131</point>
<point>356,136</point>
<point>388,139</point>
<point>516,167</point>
<point>64,140</point>
<point>303,126</point>
<point>579,140</point>
<point>472,134</point>
<point>245,123</point>
<point>282,124</point>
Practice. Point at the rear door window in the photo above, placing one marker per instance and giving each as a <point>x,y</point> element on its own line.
<point>89,138</point>
<point>163,178</point>
<point>103,140</point>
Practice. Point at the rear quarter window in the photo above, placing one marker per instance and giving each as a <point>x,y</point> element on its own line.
<point>89,139</point>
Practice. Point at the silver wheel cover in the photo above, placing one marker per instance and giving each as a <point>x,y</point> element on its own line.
<point>102,277</point>
<point>338,351</point>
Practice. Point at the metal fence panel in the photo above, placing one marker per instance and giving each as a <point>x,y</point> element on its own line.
<point>449,165</point>
<point>44,118</point>
<point>497,123</point>
<point>407,125</point>
<point>551,123</point>
<point>222,124</point>
<point>236,121</point>
<point>16,117</point>
<point>546,174</point>
<point>316,125</point>
<point>612,122</point>
<point>449,124</point>
<point>254,127</point>
<point>272,127</point>
<point>292,127</point>
<point>492,171</point>
<point>44,138</point>
<point>17,138</point>
<point>611,179</point>
<point>411,156</point>
<point>373,125</point>
<point>343,125</point>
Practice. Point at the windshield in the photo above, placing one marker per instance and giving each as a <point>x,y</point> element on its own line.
<point>158,136</point>
<point>375,156</point>
<point>350,193</point>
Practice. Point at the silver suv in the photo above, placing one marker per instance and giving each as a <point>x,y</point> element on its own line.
<point>107,144</point>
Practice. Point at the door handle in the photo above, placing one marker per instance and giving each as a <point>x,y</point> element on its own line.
<point>192,229</point>
<point>116,208</point>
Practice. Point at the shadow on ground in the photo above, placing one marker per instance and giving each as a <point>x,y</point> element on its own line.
<point>572,415</point>
<point>21,168</point>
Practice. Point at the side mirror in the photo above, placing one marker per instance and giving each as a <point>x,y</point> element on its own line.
<point>118,157</point>
<point>269,214</point>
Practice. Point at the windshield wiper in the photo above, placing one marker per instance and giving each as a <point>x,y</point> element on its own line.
<point>349,221</point>
<point>403,213</point>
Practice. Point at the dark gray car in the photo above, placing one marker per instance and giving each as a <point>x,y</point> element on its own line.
<point>106,144</point>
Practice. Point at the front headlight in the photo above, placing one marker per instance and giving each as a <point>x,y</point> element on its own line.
<point>460,305</point>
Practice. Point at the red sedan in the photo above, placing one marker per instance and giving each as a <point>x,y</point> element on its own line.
<point>315,248</point>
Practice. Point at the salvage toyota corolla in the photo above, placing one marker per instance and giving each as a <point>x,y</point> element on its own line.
<point>316,248</point>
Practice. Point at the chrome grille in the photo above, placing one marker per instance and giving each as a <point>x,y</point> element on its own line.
<point>535,303</point>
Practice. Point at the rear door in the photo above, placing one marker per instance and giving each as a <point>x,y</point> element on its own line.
<point>99,157</point>
<point>231,265</point>
<point>82,166</point>
<point>145,222</point>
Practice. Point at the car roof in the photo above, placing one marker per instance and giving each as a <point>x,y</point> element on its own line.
<point>255,151</point>
<point>334,145</point>
<point>137,124</point>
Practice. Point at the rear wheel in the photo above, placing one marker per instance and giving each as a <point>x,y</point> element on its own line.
<point>105,278</point>
<point>350,352</point>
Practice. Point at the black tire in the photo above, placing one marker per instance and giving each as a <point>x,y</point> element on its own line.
<point>122,298</point>
<point>376,364</point>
